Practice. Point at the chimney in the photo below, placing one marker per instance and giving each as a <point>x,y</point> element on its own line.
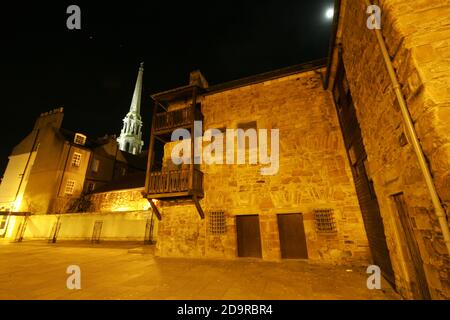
<point>51,118</point>
<point>197,78</point>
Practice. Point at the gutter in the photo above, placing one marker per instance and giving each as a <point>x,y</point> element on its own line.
<point>337,12</point>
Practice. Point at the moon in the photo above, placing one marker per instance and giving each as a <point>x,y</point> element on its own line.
<point>329,13</point>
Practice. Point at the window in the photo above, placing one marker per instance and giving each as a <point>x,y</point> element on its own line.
<point>324,221</point>
<point>217,222</point>
<point>79,139</point>
<point>70,186</point>
<point>3,222</point>
<point>95,165</point>
<point>90,186</point>
<point>76,159</point>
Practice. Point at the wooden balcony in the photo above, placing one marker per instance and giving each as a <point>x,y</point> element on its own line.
<point>175,184</point>
<point>181,118</point>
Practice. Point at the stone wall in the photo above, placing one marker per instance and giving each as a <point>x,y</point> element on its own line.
<point>118,200</point>
<point>417,35</point>
<point>313,174</point>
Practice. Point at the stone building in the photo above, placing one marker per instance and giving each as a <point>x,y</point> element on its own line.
<point>308,209</point>
<point>348,154</point>
<point>363,173</point>
<point>416,35</point>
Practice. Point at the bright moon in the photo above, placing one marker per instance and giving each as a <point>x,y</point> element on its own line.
<point>329,13</point>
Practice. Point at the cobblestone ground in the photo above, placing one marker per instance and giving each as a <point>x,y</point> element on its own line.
<point>36,270</point>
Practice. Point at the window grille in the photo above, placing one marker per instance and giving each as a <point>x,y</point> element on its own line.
<point>70,186</point>
<point>217,222</point>
<point>76,159</point>
<point>325,222</point>
<point>80,139</point>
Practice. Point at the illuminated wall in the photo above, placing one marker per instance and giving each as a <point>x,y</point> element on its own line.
<point>116,226</point>
<point>10,196</point>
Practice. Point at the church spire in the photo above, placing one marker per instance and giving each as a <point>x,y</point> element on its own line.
<point>130,139</point>
<point>136,102</point>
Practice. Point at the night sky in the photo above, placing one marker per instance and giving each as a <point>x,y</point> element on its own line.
<point>91,72</point>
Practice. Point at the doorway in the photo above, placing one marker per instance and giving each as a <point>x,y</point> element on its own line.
<point>419,283</point>
<point>292,236</point>
<point>248,236</point>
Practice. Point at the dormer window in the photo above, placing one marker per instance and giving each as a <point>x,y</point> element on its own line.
<point>79,139</point>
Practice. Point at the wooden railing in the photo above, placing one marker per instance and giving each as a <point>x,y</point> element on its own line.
<point>174,119</point>
<point>175,181</point>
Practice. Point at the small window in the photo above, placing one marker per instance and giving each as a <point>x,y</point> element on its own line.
<point>123,171</point>
<point>217,222</point>
<point>95,165</point>
<point>325,222</point>
<point>79,139</point>
<point>3,222</point>
<point>70,186</point>
<point>76,159</point>
<point>90,186</point>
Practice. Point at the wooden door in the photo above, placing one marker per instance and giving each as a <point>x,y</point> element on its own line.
<point>292,236</point>
<point>418,281</point>
<point>248,236</point>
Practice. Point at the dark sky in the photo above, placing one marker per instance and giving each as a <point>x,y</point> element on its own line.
<point>91,72</point>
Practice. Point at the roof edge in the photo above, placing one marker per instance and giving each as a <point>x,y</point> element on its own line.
<point>266,76</point>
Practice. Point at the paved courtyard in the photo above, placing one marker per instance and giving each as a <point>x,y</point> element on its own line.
<point>37,270</point>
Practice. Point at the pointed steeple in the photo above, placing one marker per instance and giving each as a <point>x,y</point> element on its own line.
<point>136,102</point>
<point>130,139</point>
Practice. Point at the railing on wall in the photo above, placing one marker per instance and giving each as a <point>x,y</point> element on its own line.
<point>175,119</point>
<point>175,181</point>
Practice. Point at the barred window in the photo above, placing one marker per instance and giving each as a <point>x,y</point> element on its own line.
<point>217,222</point>
<point>70,186</point>
<point>76,159</point>
<point>325,222</point>
<point>79,139</point>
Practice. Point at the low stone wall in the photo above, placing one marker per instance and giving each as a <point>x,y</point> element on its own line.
<point>119,200</point>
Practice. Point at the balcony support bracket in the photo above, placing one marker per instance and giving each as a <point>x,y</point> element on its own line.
<point>155,209</point>
<point>197,205</point>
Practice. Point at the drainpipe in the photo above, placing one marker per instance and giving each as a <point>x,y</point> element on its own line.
<point>439,210</point>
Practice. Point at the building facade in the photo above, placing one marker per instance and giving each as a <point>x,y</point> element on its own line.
<point>416,36</point>
<point>308,209</point>
<point>349,186</point>
<point>52,168</point>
